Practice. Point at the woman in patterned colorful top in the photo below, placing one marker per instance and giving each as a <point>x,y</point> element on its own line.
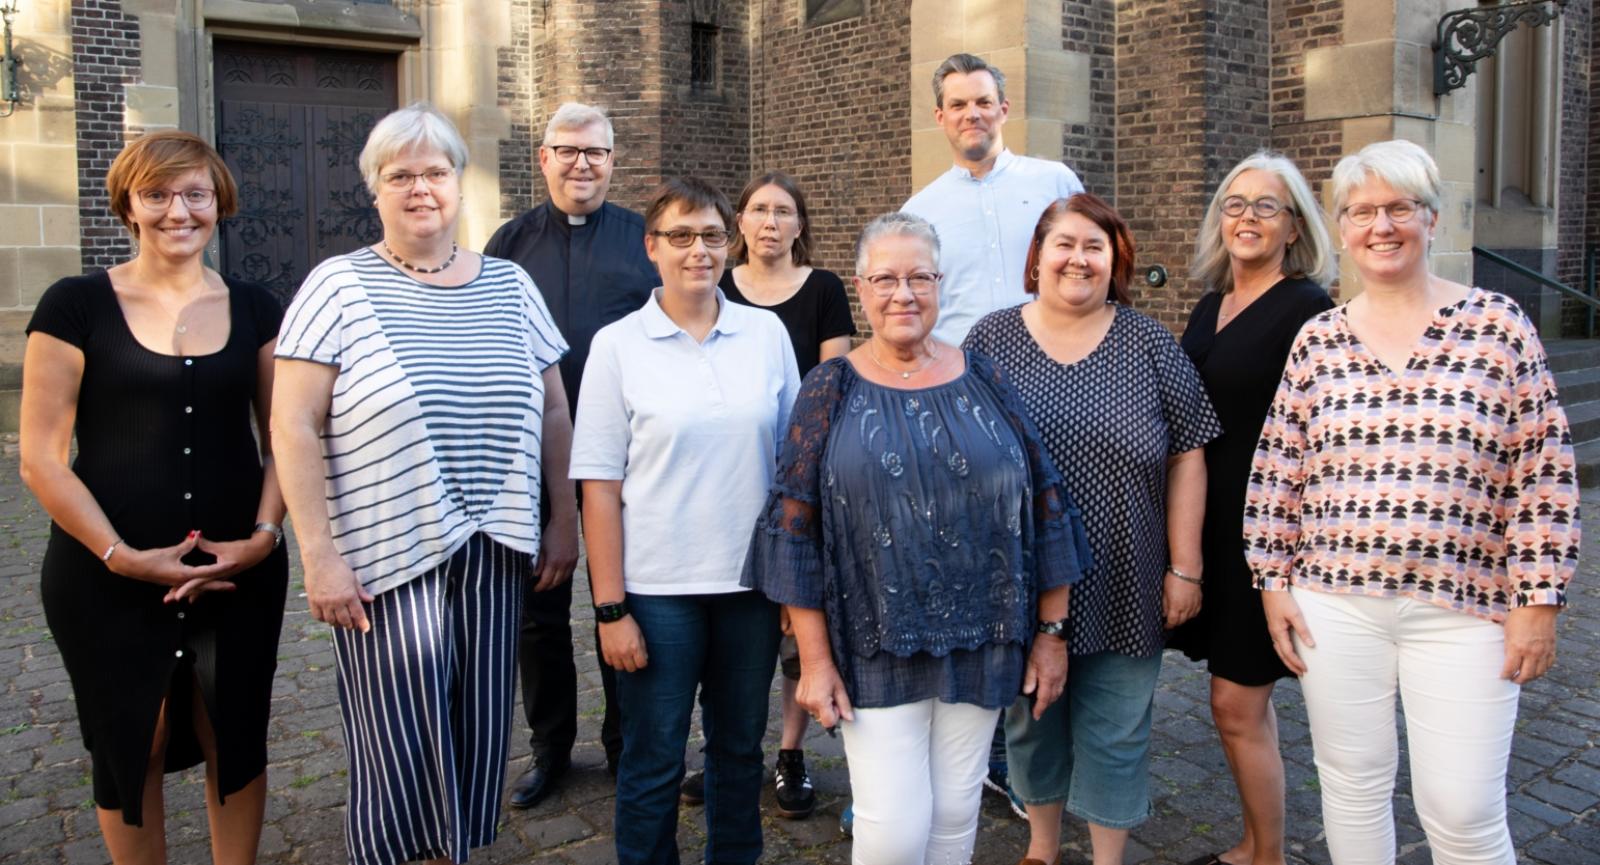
<point>1265,254</point>
<point>919,536</point>
<point>1412,520</point>
<point>1124,416</point>
<point>417,402</point>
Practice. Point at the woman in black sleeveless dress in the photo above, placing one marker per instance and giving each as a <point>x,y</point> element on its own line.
<point>164,581</point>
<point>1264,253</point>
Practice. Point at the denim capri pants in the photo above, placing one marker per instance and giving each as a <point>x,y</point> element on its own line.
<point>1091,750</point>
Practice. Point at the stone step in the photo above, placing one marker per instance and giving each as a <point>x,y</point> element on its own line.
<point>1585,421</point>
<point>1578,385</point>
<point>1588,456</point>
<point>1572,354</point>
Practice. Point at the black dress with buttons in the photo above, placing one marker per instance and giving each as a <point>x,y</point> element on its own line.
<point>165,445</point>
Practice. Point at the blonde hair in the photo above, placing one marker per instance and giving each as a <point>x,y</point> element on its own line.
<point>1401,164</point>
<point>1310,256</point>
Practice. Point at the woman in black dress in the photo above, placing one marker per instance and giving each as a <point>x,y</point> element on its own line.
<point>163,582</point>
<point>1265,254</point>
<point>774,242</point>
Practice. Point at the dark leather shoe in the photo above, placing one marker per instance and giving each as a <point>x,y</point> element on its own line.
<point>533,785</point>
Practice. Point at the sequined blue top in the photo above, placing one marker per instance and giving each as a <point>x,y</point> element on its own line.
<point>924,523</point>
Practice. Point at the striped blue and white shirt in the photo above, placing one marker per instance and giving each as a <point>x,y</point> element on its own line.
<point>434,428</point>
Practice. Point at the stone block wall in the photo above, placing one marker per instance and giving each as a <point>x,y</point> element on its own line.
<point>38,168</point>
<point>828,104</point>
<point>1297,27</point>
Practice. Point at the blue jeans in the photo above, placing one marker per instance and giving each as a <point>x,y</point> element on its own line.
<point>1091,749</point>
<point>727,645</point>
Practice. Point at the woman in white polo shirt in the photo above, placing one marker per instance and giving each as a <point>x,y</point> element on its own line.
<point>679,416</point>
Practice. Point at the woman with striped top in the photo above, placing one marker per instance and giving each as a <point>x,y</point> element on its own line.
<point>417,402</point>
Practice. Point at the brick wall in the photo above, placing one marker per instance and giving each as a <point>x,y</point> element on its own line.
<point>1592,220</point>
<point>1089,27</point>
<point>105,48</point>
<point>1191,84</point>
<point>1575,190</point>
<point>517,65</point>
<point>706,129</point>
<point>828,104</point>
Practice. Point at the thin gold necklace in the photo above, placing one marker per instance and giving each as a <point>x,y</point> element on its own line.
<point>933,357</point>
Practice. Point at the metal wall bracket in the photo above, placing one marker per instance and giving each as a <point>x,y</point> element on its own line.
<point>1468,35</point>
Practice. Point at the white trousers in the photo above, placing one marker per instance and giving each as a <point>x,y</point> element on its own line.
<point>916,775</point>
<point>1459,719</point>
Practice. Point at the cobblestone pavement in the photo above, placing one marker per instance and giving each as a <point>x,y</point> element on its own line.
<point>48,816</point>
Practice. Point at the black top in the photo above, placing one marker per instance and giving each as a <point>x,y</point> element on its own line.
<point>819,311</point>
<point>1241,367</point>
<point>1110,422</point>
<point>165,445</point>
<point>590,275</point>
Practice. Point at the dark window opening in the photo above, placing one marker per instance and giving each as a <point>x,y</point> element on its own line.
<point>703,56</point>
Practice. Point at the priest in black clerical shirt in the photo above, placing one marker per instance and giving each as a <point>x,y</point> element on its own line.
<point>587,258</point>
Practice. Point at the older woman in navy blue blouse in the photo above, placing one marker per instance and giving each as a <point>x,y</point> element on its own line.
<point>923,523</point>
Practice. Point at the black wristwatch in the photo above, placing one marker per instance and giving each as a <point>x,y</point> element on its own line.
<point>1057,628</point>
<point>606,613</point>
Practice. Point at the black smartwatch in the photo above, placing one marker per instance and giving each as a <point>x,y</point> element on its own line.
<point>606,613</point>
<point>1057,628</point>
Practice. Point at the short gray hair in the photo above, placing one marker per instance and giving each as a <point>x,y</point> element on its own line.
<point>965,64</point>
<point>899,224</point>
<point>1311,256</point>
<point>418,126</point>
<point>1401,164</point>
<point>576,115</point>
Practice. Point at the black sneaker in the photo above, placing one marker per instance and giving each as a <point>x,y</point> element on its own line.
<point>796,799</point>
<point>693,789</point>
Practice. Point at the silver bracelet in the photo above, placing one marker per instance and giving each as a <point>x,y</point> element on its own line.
<point>106,556</point>
<point>1185,577</point>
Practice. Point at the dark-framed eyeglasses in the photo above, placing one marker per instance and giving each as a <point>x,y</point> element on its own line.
<point>567,155</point>
<point>1399,210</point>
<point>400,181</point>
<point>193,199</point>
<point>715,238</point>
<point>921,283</point>
<point>1265,207</point>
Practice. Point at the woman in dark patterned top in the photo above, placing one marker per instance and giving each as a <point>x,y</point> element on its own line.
<point>1412,519</point>
<point>1125,417</point>
<point>1264,262</point>
<point>917,532</point>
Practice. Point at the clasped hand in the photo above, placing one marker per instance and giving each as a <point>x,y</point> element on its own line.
<point>165,566</point>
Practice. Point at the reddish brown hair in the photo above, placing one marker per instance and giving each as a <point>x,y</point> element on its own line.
<point>156,158</point>
<point>1095,209</point>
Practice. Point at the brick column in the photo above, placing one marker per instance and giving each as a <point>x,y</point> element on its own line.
<point>1192,96</point>
<point>105,52</point>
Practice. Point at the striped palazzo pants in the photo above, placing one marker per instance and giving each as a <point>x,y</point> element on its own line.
<point>426,697</point>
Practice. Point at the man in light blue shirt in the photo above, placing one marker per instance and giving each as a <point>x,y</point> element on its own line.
<point>986,205</point>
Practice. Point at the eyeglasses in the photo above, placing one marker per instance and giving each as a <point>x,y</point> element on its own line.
<point>1265,207</point>
<point>401,181</point>
<point>886,284</point>
<point>193,199</point>
<point>762,213</point>
<point>715,238</point>
<point>568,155</point>
<point>1399,210</point>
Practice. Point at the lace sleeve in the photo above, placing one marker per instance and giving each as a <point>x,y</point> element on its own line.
<point>785,558</point>
<point>1061,551</point>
